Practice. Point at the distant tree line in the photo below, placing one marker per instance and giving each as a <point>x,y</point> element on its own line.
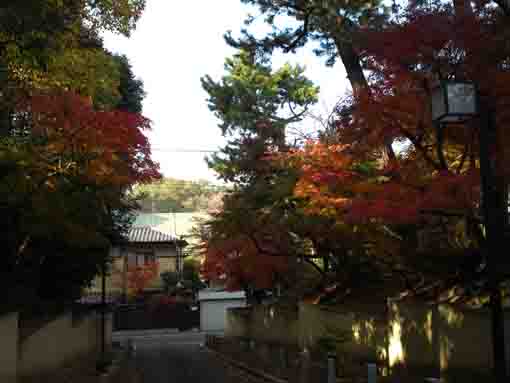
<point>174,195</point>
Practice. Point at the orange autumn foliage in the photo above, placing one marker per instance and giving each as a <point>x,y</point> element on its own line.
<point>434,168</point>
<point>334,184</point>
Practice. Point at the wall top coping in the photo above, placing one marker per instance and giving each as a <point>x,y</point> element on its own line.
<point>8,315</point>
<point>215,295</point>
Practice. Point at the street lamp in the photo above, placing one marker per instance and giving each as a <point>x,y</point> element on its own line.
<point>459,102</point>
<point>454,101</point>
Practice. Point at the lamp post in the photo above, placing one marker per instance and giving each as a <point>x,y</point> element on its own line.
<point>103,363</point>
<point>459,102</point>
<point>180,262</point>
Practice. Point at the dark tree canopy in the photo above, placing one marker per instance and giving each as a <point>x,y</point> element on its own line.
<point>130,88</point>
<point>67,153</point>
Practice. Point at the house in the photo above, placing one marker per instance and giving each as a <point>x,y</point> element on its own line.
<point>144,245</point>
<point>179,224</point>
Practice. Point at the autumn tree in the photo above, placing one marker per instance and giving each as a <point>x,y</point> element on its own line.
<point>71,174</point>
<point>255,106</point>
<point>427,196</point>
<point>140,277</point>
<point>66,156</point>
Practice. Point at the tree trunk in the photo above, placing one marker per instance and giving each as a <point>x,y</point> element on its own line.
<point>352,64</point>
<point>5,123</point>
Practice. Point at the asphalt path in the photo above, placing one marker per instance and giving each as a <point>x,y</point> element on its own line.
<point>170,357</point>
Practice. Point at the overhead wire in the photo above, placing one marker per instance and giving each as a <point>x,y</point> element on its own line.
<point>183,150</point>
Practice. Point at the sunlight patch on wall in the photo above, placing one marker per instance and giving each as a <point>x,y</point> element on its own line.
<point>453,317</point>
<point>356,332</point>
<point>370,331</point>
<point>428,326</point>
<point>445,352</point>
<point>395,349</point>
<point>363,331</point>
<point>382,355</point>
<point>396,353</point>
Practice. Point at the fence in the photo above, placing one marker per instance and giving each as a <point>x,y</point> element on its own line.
<point>144,317</point>
<point>409,339</point>
<point>62,340</point>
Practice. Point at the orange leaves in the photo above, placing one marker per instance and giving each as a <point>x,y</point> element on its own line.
<point>337,186</point>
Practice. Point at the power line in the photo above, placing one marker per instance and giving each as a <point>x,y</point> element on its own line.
<point>183,150</point>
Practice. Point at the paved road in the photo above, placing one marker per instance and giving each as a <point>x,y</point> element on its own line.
<point>175,358</point>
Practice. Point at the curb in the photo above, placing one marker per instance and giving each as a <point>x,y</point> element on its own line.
<point>253,371</point>
<point>115,373</point>
<point>115,365</point>
<point>265,375</point>
<point>137,333</point>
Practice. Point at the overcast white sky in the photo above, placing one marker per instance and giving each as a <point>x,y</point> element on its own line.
<point>175,44</point>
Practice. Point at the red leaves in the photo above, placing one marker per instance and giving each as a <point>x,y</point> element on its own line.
<point>432,172</point>
<point>110,146</point>
<point>238,262</point>
<point>141,276</point>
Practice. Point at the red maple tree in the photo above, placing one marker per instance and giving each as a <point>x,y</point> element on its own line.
<point>140,277</point>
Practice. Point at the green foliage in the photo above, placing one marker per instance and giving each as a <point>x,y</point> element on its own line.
<point>330,24</point>
<point>170,279</point>
<point>54,44</point>
<point>92,72</point>
<point>191,273</point>
<point>130,88</point>
<point>255,105</point>
<point>173,195</point>
<point>190,276</point>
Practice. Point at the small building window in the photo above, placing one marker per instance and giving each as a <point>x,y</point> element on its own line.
<point>141,258</point>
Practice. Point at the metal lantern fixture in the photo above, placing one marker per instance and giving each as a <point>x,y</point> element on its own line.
<point>458,102</point>
<point>454,102</point>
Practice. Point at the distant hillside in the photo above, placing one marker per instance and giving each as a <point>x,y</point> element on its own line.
<point>173,195</point>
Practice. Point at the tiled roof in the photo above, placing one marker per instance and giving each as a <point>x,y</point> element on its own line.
<point>144,234</point>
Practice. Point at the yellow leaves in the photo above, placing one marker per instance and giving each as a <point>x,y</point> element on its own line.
<point>56,147</point>
<point>51,184</point>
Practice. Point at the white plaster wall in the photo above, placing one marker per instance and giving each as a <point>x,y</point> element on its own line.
<point>213,313</point>
<point>62,341</point>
